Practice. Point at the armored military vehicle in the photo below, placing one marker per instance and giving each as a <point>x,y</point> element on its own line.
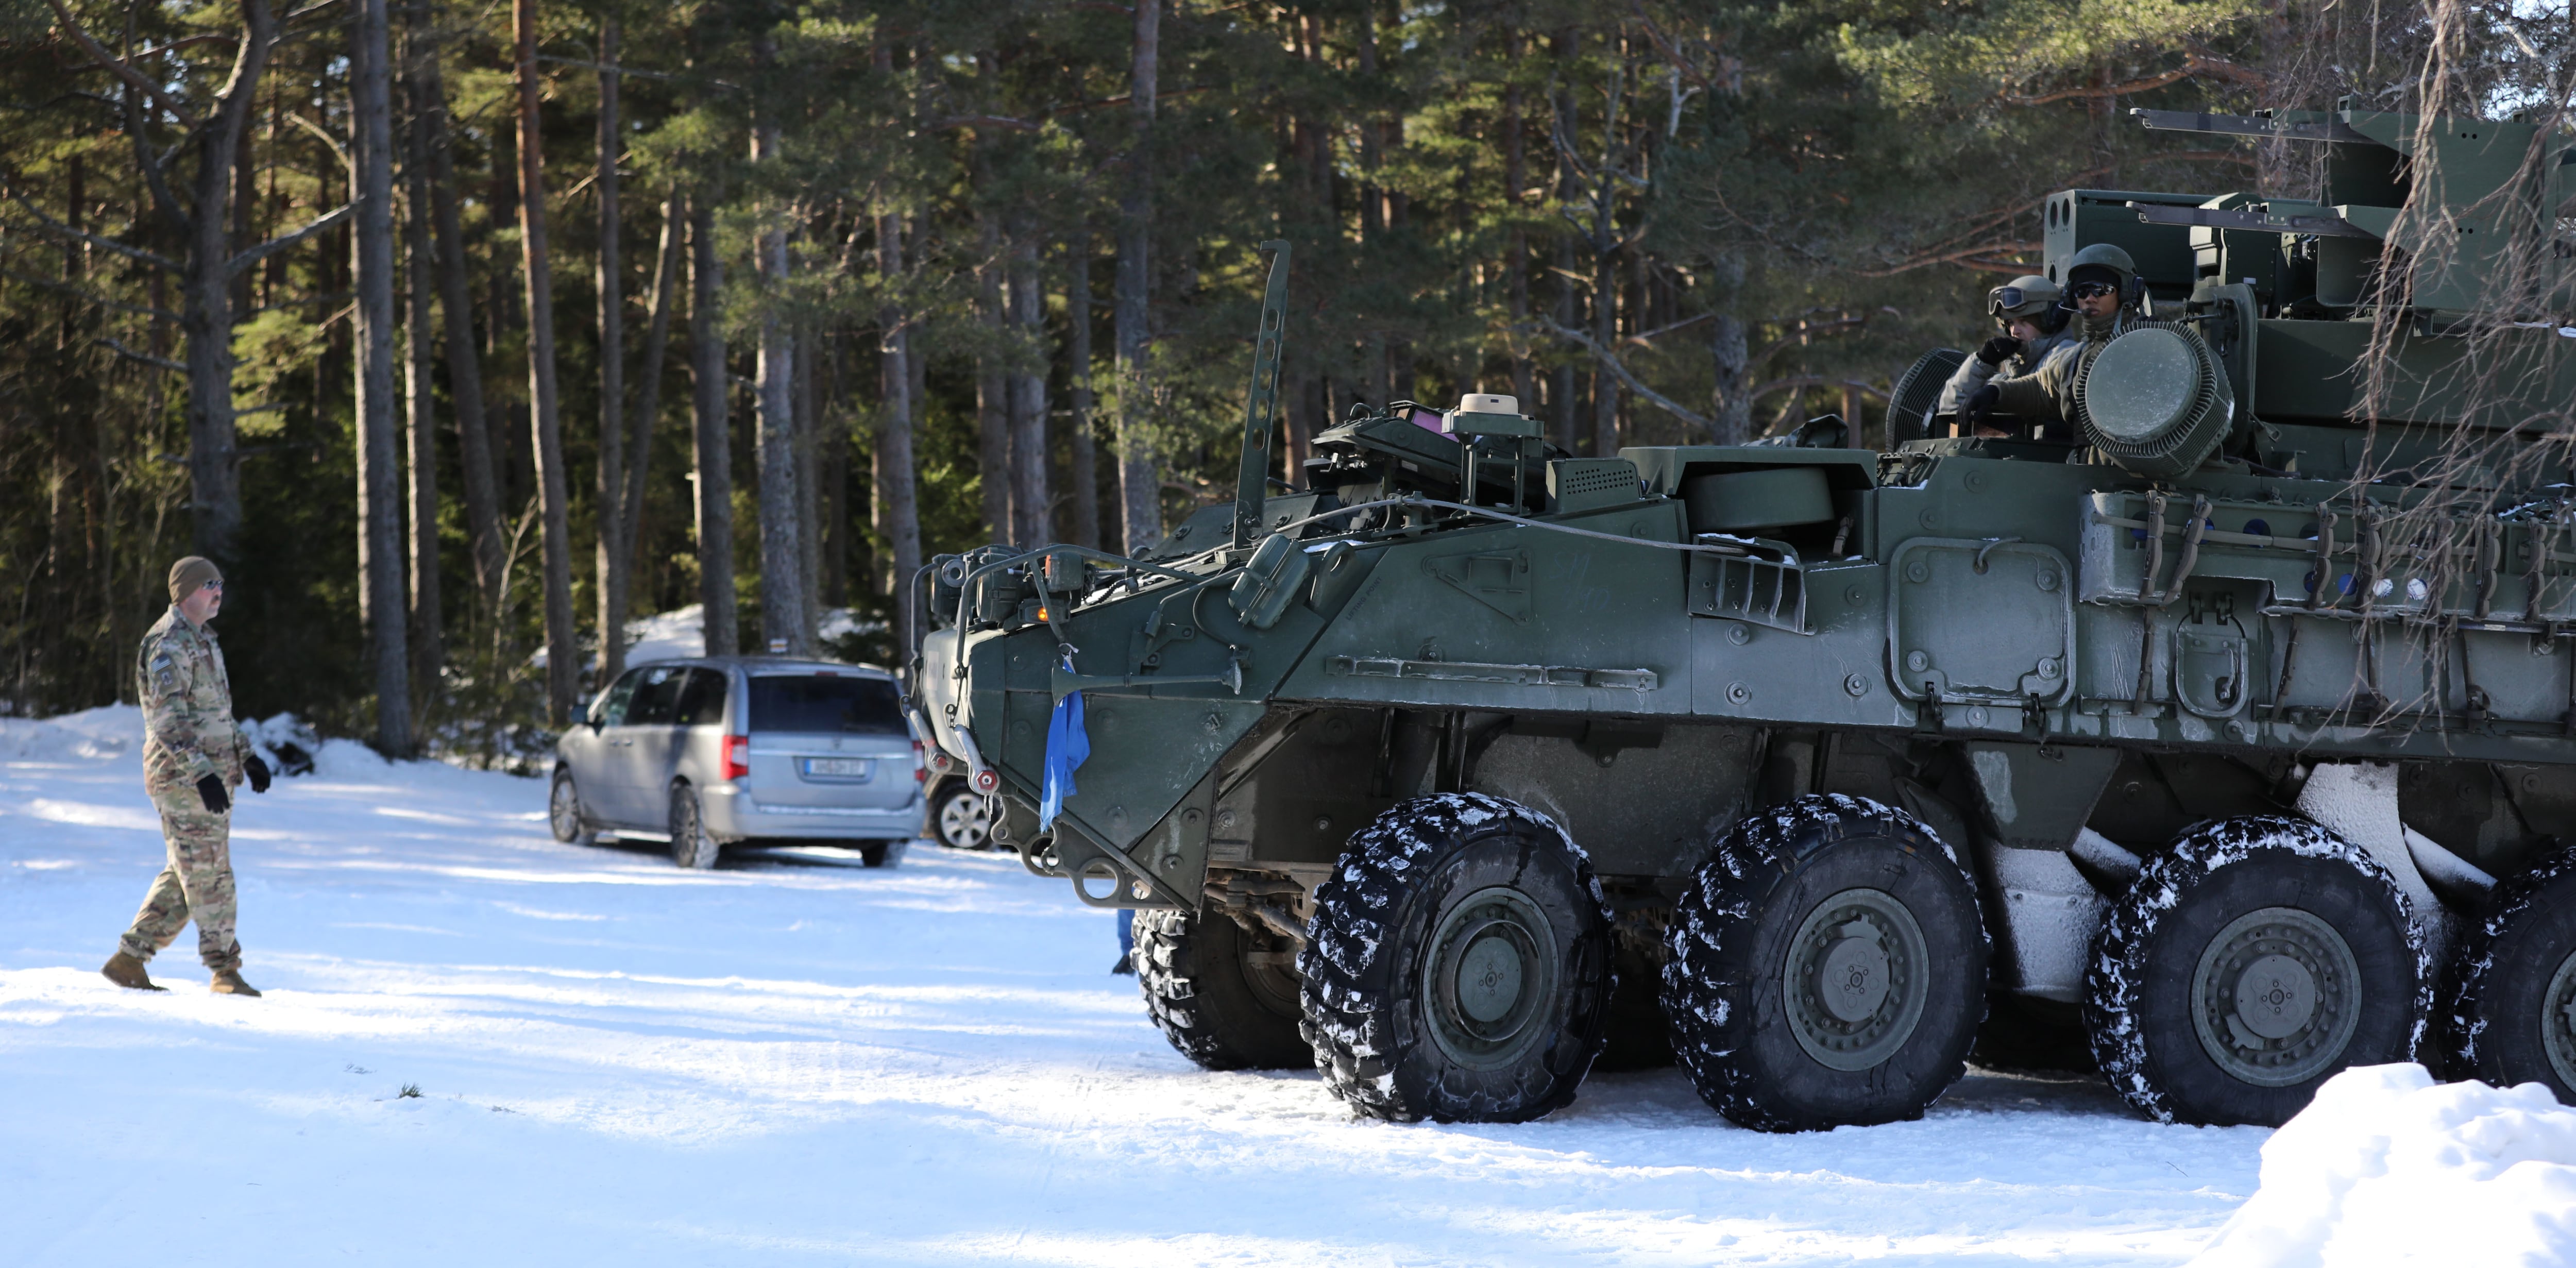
<point>2168,717</point>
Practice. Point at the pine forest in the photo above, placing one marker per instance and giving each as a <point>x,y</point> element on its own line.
<point>462,335</point>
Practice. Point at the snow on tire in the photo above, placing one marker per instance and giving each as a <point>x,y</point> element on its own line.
<point>2507,1018</point>
<point>1217,1004</point>
<point>1828,968</point>
<point>1457,966</point>
<point>2246,966</point>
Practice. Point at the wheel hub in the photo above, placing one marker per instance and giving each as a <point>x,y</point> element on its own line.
<point>1851,977</point>
<point>2276,997</point>
<point>1855,979</point>
<point>1489,978</point>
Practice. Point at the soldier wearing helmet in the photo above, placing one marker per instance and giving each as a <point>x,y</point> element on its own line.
<point>2033,326</point>
<point>2102,289</point>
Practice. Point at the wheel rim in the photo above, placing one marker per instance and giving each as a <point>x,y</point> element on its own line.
<point>2558,1022</point>
<point>1854,981</point>
<point>964,820</point>
<point>565,809</point>
<point>2276,997</point>
<point>1489,977</point>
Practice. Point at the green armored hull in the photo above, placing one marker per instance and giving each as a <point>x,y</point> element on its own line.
<point>2204,730</point>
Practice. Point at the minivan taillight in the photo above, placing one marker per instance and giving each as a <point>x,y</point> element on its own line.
<point>920,767</point>
<point>737,759</point>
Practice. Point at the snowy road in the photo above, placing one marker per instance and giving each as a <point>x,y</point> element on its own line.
<point>796,1060</point>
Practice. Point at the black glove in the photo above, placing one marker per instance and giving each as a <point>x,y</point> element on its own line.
<point>211,789</point>
<point>258,772</point>
<point>1979,404</point>
<point>1999,349</point>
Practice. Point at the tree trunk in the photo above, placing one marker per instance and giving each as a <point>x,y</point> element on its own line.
<point>993,386</point>
<point>1084,472</point>
<point>713,450</point>
<point>784,622</point>
<point>647,409</point>
<point>545,425</point>
<point>382,606</point>
<point>612,556</point>
<point>1030,524</point>
<point>805,410</point>
<point>206,307</point>
<point>1605,334</point>
<point>456,311</point>
<point>428,610</point>
<point>1139,473</point>
<point>896,492</point>
<point>1730,408</point>
<point>1516,241</point>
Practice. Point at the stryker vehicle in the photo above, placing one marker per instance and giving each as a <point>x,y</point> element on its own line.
<point>1469,758</point>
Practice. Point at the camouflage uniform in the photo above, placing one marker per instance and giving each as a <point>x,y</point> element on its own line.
<point>189,733</point>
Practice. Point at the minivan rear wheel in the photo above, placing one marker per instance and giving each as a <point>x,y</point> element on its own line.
<point>962,818</point>
<point>691,847</point>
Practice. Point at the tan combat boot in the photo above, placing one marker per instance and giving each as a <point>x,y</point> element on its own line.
<point>126,971</point>
<point>229,982</point>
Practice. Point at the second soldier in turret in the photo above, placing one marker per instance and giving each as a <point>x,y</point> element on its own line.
<point>2102,283</point>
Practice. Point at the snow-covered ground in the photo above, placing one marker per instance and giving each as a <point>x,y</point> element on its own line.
<point>794,1059</point>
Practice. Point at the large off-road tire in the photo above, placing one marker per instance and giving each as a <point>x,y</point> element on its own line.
<point>1224,997</point>
<point>691,847</point>
<point>1828,968</point>
<point>2512,984</point>
<point>1457,966</point>
<point>564,814</point>
<point>2246,966</point>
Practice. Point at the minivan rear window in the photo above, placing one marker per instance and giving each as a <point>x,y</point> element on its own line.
<point>847,705</point>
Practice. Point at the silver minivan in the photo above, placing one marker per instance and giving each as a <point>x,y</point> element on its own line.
<point>709,751</point>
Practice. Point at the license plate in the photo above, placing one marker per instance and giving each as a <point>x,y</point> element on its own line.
<point>838,767</point>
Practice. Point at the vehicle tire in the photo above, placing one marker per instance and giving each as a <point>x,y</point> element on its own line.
<point>564,813</point>
<point>1457,966</point>
<point>2513,981</point>
<point>961,818</point>
<point>1826,889</point>
<point>2246,966</point>
<point>880,853</point>
<point>1218,1004</point>
<point>691,847</point>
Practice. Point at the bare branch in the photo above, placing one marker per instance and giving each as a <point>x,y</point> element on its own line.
<point>283,241</point>
<point>338,148</point>
<point>87,296</point>
<point>116,66</point>
<point>158,363</point>
<point>1610,361</point>
<point>1800,382</point>
<point>60,229</point>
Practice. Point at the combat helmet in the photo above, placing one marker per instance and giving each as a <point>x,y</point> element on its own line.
<point>2103,262</point>
<point>2028,298</point>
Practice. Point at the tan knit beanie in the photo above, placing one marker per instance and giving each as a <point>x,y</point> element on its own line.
<point>190,573</point>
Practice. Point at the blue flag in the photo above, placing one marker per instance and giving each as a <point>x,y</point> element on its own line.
<point>1067,746</point>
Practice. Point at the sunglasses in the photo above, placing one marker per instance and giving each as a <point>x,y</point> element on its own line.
<point>212,585</point>
<point>2094,290</point>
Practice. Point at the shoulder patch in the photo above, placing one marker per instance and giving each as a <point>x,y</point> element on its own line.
<point>164,670</point>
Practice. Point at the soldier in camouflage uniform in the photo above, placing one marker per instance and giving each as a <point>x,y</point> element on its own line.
<point>194,754</point>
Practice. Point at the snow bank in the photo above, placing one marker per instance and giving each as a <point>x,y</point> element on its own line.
<point>2387,1166</point>
<point>107,731</point>
<point>683,632</point>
